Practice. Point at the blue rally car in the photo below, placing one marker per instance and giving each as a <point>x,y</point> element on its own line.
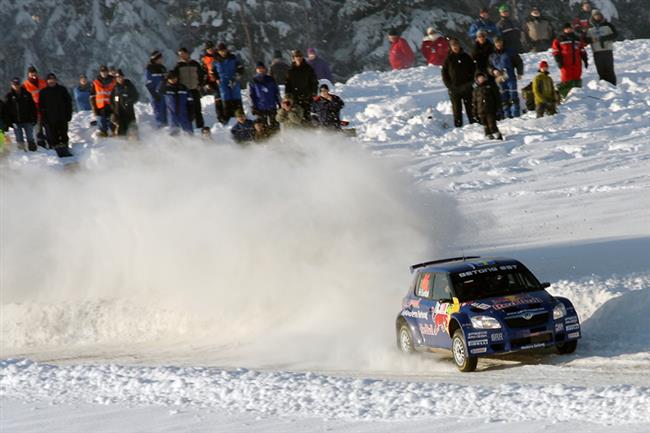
<point>477,306</point>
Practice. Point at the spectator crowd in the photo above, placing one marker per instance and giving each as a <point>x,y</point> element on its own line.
<point>483,80</point>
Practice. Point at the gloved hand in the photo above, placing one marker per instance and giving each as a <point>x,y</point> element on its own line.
<point>586,63</point>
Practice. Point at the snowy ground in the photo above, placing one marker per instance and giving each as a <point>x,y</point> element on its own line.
<point>188,285</point>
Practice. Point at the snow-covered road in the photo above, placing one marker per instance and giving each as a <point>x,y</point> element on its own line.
<point>188,285</point>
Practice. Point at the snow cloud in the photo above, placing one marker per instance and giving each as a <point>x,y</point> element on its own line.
<point>295,252</point>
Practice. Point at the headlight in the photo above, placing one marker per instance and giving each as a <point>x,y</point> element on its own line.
<point>559,311</point>
<point>485,322</point>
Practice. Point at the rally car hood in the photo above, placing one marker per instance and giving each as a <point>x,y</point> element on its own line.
<point>512,304</point>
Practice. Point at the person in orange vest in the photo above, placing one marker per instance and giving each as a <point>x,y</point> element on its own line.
<point>34,85</point>
<point>100,99</point>
<point>211,86</point>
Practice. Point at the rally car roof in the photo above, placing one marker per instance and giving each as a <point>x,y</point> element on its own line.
<point>461,264</point>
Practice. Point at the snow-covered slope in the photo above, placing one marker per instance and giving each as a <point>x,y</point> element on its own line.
<point>255,288</point>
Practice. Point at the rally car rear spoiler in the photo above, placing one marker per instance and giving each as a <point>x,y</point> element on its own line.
<point>433,262</point>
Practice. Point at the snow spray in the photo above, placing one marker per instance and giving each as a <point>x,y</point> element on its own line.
<point>295,252</point>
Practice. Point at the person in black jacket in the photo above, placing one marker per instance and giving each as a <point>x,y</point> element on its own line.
<point>510,29</point>
<point>191,75</point>
<point>326,109</point>
<point>4,126</point>
<point>481,51</point>
<point>22,114</point>
<point>123,98</point>
<point>55,106</point>
<point>279,68</point>
<point>458,75</point>
<point>486,101</point>
<point>301,83</point>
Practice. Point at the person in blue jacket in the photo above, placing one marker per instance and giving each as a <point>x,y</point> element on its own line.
<point>244,129</point>
<point>82,94</point>
<point>177,100</point>
<point>265,97</point>
<point>228,71</point>
<point>506,66</point>
<point>155,74</point>
<point>484,23</point>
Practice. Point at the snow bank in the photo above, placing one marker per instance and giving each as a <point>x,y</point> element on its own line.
<point>281,393</point>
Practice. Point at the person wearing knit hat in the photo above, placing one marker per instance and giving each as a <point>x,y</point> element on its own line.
<point>55,109</point>
<point>155,77</point>
<point>400,54</point>
<point>123,99</point>
<point>264,94</point>
<point>21,114</point>
<point>100,99</point>
<point>544,91</point>
<point>320,65</point>
<point>327,109</point>
<point>34,84</point>
<point>176,98</point>
<point>229,71</point>
<point>569,53</point>
<point>192,76</point>
<point>485,105</point>
<point>81,93</point>
<point>601,35</point>
<point>211,86</point>
<point>510,30</point>
<point>483,23</point>
<point>507,68</point>
<point>279,68</point>
<point>243,131</point>
<point>458,75</point>
<point>301,83</point>
<point>538,31</point>
<point>434,47</point>
<point>581,22</point>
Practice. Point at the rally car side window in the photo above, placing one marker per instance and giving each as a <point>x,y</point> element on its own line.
<point>441,287</point>
<point>425,285</point>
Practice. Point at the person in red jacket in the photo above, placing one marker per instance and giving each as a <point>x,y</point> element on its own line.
<point>569,53</point>
<point>434,47</point>
<point>400,54</point>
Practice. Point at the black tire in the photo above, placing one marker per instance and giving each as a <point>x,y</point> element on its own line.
<point>566,348</point>
<point>405,339</point>
<point>464,362</point>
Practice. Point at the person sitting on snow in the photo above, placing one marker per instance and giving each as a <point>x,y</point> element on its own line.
<point>326,109</point>
<point>244,130</point>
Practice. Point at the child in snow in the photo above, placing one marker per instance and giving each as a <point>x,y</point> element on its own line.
<point>486,101</point>
<point>243,131</point>
<point>544,91</point>
<point>262,132</point>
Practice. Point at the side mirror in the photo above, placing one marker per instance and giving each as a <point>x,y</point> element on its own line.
<point>545,285</point>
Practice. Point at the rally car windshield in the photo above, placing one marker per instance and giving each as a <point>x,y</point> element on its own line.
<point>491,281</point>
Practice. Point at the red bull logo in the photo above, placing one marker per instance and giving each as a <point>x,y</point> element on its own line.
<point>441,316</point>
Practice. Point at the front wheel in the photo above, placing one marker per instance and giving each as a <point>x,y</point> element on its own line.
<point>566,348</point>
<point>405,339</point>
<point>464,362</point>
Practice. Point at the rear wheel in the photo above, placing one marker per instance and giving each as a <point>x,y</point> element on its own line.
<point>566,348</point>
<point>405,339</point>
<point>464,362</point>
